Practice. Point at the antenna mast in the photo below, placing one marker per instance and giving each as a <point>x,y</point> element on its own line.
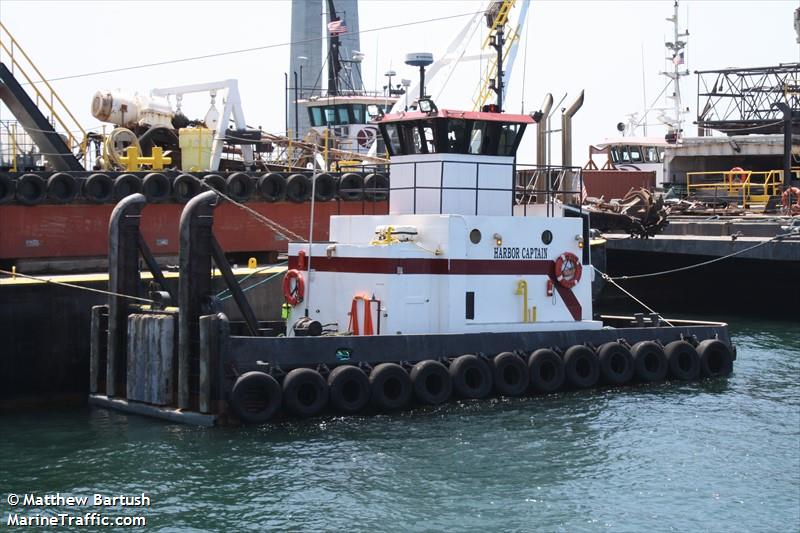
<point>679,69</point>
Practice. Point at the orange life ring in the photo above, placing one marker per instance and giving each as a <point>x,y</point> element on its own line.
<point>786,199</point>
<point>738,174</point>
<point>293,297</point>
<point>568,270</point>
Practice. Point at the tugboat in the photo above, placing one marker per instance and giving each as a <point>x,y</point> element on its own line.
<point>462,290</point>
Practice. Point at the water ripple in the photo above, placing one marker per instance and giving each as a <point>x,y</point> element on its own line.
<point>722,455</point>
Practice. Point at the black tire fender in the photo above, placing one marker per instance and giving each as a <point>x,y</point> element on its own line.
<point>581,367</point>
<point>431,381</point>
<point>649,361</point>
<point>683,360</point>
<point>216,182</point>
<point>472,376</point>
<point>240,186</point>
<point>616,363</point>
<point>351,187</point>
<point>185,187</point>
<point>125,185</point>
<point>546,371</point>
<point>298,188</point>
<point>98,188</point>
<point>510,373</point>
<point>349,389</point>
<point>255,397</point>
<point>156,187</point>
<point>716,358</point>
<point>376,187</point>
<point>390,386</point>
<point>324,187</point>
<point>31,189</point>
<point>305,392</point>
<point>272,187</point>
<point>61,188</point>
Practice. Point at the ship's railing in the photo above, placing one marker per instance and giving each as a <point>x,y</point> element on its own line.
<point>17,150</point>
<point>43,93</point>
<point>746,187</point>
<point>537,185</point>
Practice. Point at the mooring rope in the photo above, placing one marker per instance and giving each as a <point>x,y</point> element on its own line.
<point>704,263</point>
<point>637,300</point>
<point>225,294</point>
<point>73,286</point>
<point>283,231</point>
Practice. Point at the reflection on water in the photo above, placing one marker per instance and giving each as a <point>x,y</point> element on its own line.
<point>719,455</point>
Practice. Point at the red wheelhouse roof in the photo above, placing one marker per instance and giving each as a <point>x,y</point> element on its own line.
<point>449,113</point>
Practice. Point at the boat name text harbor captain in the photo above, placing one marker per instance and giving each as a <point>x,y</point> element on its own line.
<point>515,252</point>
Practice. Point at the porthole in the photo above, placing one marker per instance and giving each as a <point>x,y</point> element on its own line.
<point>547,236</point>
<point>475,236</point>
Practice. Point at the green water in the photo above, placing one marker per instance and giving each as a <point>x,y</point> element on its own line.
<point>722,455</point>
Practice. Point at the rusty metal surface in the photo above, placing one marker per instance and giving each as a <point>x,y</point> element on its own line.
<point>638,213</point>
<point>608,184</point>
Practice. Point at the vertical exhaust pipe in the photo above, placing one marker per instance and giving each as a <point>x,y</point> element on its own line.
<point>569,183</point>
<point>566,130</point>
<point>541,130</point>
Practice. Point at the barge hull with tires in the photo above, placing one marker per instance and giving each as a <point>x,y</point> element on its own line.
<point>249,379</point>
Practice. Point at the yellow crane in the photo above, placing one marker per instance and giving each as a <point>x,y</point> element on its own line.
<point>502,40</point>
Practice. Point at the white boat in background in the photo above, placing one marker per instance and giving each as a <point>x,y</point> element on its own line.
<point>633,153</point>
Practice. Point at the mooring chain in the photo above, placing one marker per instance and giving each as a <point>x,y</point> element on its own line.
<point>283,231</point>
<point>73,286</point>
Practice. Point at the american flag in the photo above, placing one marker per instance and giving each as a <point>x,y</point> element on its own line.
<point>677,59</point>
<point>337,27</point>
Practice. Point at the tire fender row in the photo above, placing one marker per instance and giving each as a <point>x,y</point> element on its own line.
<point>257,396</point>
<point>101,188</point>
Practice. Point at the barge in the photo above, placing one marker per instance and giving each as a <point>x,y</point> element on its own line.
<point>468,287</point>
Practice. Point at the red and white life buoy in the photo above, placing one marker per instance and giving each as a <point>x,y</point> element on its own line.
<point>294,295</point>
<point>568,270</point>
<point>738,174</point>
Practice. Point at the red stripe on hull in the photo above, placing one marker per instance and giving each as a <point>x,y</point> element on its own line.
<point>469,267</point>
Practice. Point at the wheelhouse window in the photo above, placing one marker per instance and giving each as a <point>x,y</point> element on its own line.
<point>359,112</point>
<point>651,154</point>
<point>476,137</point>
<point>456,136</point>
<point>337,115</point>
<point>428,136</point>
<point>343,115</point>
<point>411,141</point>
<point>330,116</point>
<point>391,136</point>
<point>315,116</point>
<point>508,139</point>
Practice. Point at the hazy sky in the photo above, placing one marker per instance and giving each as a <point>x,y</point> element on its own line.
<point>568,46</point>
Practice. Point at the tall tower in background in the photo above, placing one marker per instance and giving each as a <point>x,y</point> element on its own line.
<point>308,53</point>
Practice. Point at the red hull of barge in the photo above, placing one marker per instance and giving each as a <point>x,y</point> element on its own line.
<point>81,230</point>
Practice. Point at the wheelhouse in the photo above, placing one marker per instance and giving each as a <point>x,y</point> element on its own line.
<point>453,132</point>
<point>343,111</point>
<point>631,151</point>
